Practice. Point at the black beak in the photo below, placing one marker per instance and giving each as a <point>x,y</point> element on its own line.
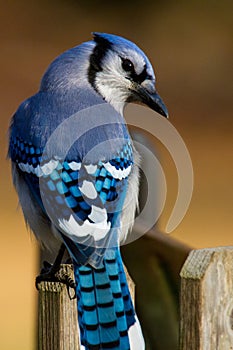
<point>150,99</point>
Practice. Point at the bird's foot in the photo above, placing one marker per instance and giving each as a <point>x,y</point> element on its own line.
<point>53,273</point>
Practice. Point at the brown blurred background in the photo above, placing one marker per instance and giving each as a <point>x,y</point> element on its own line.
<point>190,46</point>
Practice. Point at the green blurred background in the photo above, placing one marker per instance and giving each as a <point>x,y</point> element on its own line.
<point>190,46</point>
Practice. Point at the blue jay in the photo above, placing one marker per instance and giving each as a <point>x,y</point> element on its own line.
<point>80,188</point>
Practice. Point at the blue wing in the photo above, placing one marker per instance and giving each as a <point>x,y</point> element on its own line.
<point>83,201</point>
<point>86,202</point>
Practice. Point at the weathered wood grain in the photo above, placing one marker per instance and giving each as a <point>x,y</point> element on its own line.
<point>207,300</point>
<point>58,324</point>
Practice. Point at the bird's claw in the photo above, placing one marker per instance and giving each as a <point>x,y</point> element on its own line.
<point>50,273</point>
<point>65,278</point>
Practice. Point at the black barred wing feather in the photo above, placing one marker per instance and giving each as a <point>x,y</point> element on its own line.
<point>83,201</point>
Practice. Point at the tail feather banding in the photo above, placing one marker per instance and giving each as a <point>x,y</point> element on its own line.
<point>105,309</point>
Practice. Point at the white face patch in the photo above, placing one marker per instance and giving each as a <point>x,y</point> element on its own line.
<point>114,95</point>
<point>113,82</point>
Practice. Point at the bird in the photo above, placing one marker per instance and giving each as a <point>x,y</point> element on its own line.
<point>76,172</point>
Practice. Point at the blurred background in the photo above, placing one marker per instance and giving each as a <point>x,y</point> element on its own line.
<point>190,46</point>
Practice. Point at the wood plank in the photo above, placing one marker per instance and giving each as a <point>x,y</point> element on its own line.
<point>207,300</point>
<point>58,324</point>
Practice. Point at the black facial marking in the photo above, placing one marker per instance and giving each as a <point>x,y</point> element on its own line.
<point>128,67</point>
<point>100,50</point>
<point>139,78</point>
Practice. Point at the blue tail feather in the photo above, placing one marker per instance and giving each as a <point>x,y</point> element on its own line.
<point>105,309</point>
<point>126,297</point>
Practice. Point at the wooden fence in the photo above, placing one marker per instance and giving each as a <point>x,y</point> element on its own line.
<point>206,305</point>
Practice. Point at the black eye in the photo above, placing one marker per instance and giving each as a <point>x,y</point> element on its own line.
<point>127,65</point>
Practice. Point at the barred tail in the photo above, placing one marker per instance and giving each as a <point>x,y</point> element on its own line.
<point>106,315</point>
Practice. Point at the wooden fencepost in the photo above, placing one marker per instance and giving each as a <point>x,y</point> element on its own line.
<point>57,314</point>
<point>206,310</point>
<point>57,319</point>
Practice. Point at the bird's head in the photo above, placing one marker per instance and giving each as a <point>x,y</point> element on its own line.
<point>120,72</point>
<point>114,67</point>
